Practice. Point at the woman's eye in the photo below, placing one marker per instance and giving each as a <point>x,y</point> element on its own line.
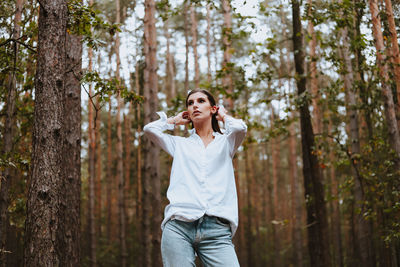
<point>201,100</point>
<point>190,103</point>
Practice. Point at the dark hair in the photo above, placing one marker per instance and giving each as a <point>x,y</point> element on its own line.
<point>214,121</point>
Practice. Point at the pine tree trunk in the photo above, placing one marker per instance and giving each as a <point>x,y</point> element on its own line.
<point>139,210</point>
<point>98,165</point>
<point>318,243</point>
<point>92,174</point>
<point>186,26</point>
<point>208,43</point>
<point>317,120</point>
<point>170,84</point>
<point>119,154</point>
<point>364,239</point>
<point>8,136</point>
<point>395,54</point>
<point>109,175</point>
<point>72,153</point>
<point>44,226</point>
<point>295,199</point>
<point>335,217</point>
<point>193,17</point>
<point>275,195</point>
<point>385,83</point>
<point>227,81</point>
<point>250,208</point>
<point>151,180</point>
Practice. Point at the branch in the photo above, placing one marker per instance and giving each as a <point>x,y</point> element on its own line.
<point>21,43</point>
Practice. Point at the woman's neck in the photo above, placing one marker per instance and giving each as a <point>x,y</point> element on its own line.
<point>204,130</point>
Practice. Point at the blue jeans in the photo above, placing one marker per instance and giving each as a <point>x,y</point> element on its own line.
<point>208,237</point>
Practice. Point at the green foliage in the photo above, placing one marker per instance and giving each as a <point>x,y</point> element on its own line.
<point>105,88</point>
<point>85,20</point>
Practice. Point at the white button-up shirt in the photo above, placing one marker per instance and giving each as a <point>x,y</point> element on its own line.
<point>202,178</point>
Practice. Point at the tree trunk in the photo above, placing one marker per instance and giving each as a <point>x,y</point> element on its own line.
<point>119,154</point>
<point>335,217</point>
<point>44,226</point>
<point>193,17</point>
<point>385,83</point>
<point>72,153</point>
<point>208,31</point>
<point>170,73</point>
<point>395,53</point>
<point>295,199</point>
<point>275,196</point>
<point>317,119</point>
<point>318,243</point>
<point>92,170</point>
<point>250,208</point>
<point>227,81</point>
<point>186,26</point>
<point>8,136</point>
<point>109,175</point>
<point>151,180</point>
<point>364,239</point>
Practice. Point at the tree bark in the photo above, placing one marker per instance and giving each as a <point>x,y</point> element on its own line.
<point>395,54</point>
<point>119,154</point>
<point>364,239</point>
<point>44,226</point>
<point>8,135</point>
<point>71,198</point>
<point>92,170</point>
<point>318,243</point>
<point>385,83</point>
<point>151,180</point>
<point>295,199</point>
<point>170,73</point>
<point>193,17</point>
<point>186,27</point>
<point>317,119</point>
<point>208,40</point>
<point>109,175</point>
<point>227,81</point>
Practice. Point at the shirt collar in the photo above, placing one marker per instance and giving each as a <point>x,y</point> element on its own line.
<point>192,132</point>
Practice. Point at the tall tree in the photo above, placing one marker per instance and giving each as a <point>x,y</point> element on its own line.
<point>395,54</point>
<point>363,235</point>
<point>8,134</point>
<point>227,81</point>
<point>208,40</point>
<point>317,120</point>
<point>119,154</point>
<point>71,197</point>
<point>193,17</point>
<point>314,192</point>
<point>44,225</point>
<point>151,180</point>
<point>385,83</point>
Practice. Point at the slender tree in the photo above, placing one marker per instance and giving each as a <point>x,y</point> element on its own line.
<point>385,83</point>
<point>193,17</point>
<point>71,193</point>
<point>151,180</point>
<point>8,135</point>
<point>119,154</point>
<point>316,211</point>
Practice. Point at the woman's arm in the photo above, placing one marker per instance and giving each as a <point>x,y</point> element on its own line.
<point>235,129</point>
<point>155,131</point>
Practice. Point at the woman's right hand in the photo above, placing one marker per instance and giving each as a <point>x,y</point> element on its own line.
<point>180,119</point>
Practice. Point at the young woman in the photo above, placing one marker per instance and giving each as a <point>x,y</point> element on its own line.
<point>202,216</point>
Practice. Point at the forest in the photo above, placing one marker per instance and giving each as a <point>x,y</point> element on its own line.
<point>316,82</point>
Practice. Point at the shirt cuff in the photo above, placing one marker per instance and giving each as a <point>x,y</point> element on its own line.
<point>162,122</point>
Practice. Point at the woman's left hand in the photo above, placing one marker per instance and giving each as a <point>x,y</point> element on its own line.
<point>221,113</point>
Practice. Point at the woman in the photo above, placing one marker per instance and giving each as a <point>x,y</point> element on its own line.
<point>202,216</point>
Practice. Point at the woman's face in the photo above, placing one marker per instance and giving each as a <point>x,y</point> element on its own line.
<point>199,107</point>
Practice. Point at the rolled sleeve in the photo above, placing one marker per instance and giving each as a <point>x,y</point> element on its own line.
<point>236,131</point>
<point>155,132</point>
